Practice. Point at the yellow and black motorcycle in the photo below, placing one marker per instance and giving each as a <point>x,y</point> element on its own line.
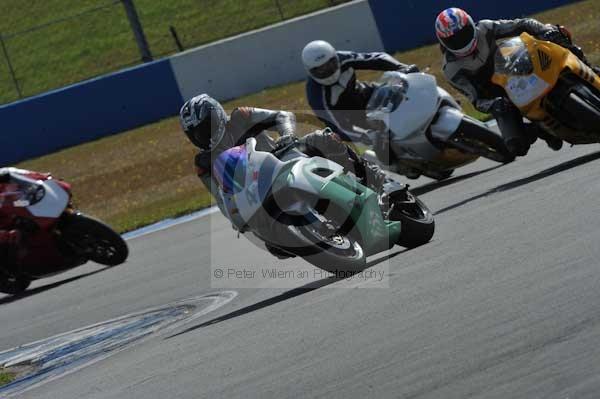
<point>551,87</point>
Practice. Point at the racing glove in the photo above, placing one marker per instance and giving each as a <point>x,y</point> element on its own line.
<point>494,106</point>
<point>409,68</point>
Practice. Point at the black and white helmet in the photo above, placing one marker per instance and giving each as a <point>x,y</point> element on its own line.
<point>203,120</point>
<point>322,63</point>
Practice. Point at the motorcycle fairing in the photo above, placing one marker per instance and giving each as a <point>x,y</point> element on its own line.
<point>418,108</point>
<point>532,68</point>
<point>447,123</point>
<point>42,199</point>
<point>309,178</point>
<point>409,122</point>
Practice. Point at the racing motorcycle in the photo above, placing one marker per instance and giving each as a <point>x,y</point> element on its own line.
<point>312,208</point>
<point>56,236</point>
<point>421,129</point>
<point>551,87</point>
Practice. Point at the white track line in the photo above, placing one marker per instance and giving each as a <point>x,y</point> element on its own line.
<point>168,223</point>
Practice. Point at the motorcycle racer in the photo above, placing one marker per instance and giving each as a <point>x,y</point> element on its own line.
<point>468,63</point>
<point>212,131</point>
<point>11,233</point>
<point>333,91</point>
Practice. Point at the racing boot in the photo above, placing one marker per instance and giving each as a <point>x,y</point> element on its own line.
<point>517,138</point>
<point>552,141</point>
<point>371,175</point>
<point>518,146</point>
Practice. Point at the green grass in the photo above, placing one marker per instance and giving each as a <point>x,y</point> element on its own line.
<point>102,41</point>
<point>6,377</point>
<point>145,175</point>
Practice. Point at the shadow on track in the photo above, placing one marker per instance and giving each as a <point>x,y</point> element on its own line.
<point>38,290</point>
<point>521,182</point>
<point>282,297</point>
<point>429,187</point>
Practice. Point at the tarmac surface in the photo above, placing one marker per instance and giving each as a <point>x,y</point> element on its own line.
<point>503,303</point>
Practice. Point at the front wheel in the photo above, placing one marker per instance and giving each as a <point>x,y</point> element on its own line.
<point>475,138</point>
<point>93,240</point>
<point>324,242</point>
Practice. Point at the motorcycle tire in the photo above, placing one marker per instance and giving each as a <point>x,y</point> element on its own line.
<point>418,225</point>
<point>13,285</point>
<point>94,240</point>
<point>339,252</point>
<point>476,139</point>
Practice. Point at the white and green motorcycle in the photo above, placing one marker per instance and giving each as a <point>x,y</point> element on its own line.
<point>310,207</point>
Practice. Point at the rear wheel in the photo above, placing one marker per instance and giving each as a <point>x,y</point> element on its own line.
<point>474,138</point>
<point>94,240</point>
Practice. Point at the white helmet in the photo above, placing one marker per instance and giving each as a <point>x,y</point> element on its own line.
<point>321,62</point>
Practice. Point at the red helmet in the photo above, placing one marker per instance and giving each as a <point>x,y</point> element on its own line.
<point>456,31</point>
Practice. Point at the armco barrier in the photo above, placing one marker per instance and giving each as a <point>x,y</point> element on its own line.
<point>271,56</point>
<point>406,24</point>
<point>87,111</point>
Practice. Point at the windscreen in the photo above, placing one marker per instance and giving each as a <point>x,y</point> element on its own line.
<point>386,99</point>
<point>19,192</point>
<point>512,58</point>
<point>230,169</point>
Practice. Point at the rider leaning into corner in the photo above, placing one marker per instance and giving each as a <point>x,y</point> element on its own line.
<point>212,131</point>
<point>13,237</point>
<point>469,48</point>
<point>338,99</point>
<point>10,235</point>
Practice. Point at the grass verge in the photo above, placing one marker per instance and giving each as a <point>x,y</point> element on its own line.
<point>6,377</point>
<point>138,177</point>
<point>86,44</point>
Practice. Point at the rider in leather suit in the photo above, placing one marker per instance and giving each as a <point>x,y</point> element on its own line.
<point>209,128</point>
<point>335,95</point>
<point>468,49</point>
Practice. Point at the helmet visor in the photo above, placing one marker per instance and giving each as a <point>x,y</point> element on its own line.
<point>200,135</point>
<point>460,39</point>
<point>326,70</point>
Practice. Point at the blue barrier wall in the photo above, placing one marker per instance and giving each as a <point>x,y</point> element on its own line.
<point>144,94</point>
<point>406,24</point>
<point>87,111</point>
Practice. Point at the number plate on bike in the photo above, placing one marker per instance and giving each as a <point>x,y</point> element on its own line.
<point>523,90</point>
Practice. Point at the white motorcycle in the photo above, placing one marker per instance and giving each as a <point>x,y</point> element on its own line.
<point>422,130</point>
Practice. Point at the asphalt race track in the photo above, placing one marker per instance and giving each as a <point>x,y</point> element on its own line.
<point>504,303</point>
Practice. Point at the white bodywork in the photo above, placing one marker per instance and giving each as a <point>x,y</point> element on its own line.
<point>55,199</point>
<point>410,121</point>
<point>53,204</point>
<point>241,206</point>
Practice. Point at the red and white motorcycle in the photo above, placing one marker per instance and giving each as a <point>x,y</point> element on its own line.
<point>56,237</point>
